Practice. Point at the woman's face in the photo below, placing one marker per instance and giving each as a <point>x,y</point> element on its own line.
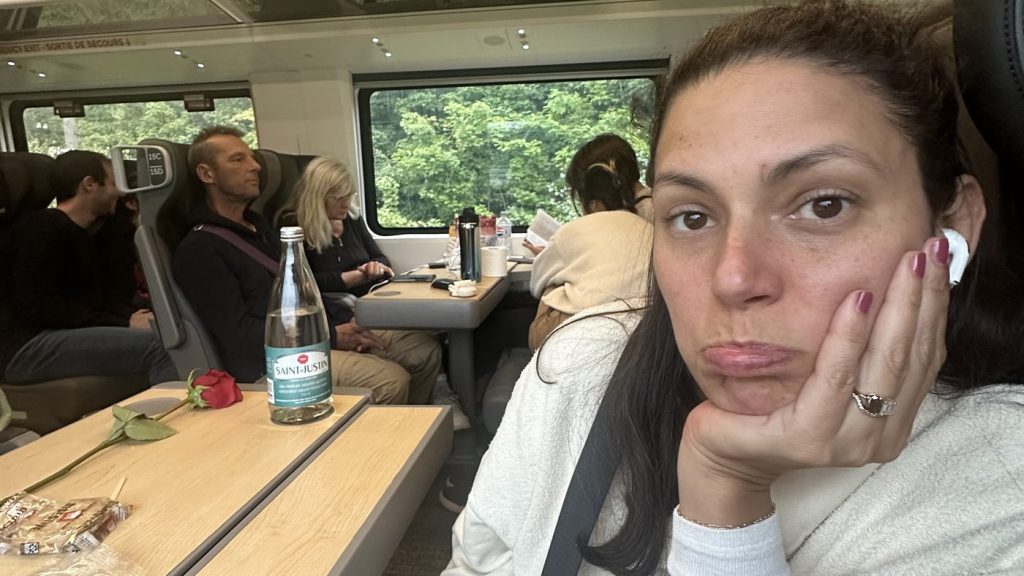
<point>779,189</point>
<point>337,205</point>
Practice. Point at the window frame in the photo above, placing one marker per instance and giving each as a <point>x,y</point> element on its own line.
<point>15,105</point>
<point>365,85</point>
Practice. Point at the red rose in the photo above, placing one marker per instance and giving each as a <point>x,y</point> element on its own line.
<point>216,389</point>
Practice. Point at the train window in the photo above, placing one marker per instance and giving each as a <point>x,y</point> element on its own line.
<point>428,151</point>
<point>106,124</point>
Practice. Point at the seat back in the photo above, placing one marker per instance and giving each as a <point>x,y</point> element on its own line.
<point>283,172</point>
<point>183,335</point>
<point>270,181</point>
<point>989,43</point>
<point>24,186</point>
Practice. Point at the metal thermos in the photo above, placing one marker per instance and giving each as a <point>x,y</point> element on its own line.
<point>469,244</point>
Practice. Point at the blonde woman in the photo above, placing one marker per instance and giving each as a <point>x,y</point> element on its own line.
<point>346,260</point>
<point>340,250</point>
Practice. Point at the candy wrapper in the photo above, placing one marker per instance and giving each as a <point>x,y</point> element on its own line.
<point>102,561</point>
<point>31,525</point>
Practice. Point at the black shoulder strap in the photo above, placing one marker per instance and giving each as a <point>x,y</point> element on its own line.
<point>587,491</point>
<point>236,241</point>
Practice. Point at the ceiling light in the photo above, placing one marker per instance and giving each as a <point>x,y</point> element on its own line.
<point>41,74</point>
<point>11,63</point>
<point>375,40</point>
<point>200,65</point>
<point>526,45</point>
<point>387,53</point>
<point>177,52</point>
<point>521,32</point>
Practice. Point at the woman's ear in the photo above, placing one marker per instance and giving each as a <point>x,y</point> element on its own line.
<point>967,214</point>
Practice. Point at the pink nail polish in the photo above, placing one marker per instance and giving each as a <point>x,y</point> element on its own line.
<point>942,250</point>
<point>917,264</point>
<point>864,301</point>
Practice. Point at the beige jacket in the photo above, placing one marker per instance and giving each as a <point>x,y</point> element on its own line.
<point>596,259</point>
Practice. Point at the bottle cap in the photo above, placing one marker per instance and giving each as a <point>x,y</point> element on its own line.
<point>291,233</point>
<point>468,215</point>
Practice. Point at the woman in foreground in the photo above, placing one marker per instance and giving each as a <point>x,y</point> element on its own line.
<point>786,402</point>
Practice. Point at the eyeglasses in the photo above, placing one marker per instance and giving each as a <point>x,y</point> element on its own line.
<point>345,199</point>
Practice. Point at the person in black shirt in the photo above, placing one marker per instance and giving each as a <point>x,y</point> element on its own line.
<point>346,260</point>
<point>230,291</point>
<point>341,252</point>
<point>120,273</point>
<point>58,323</point>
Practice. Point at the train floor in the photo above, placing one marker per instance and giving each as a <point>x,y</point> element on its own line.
<point>427,545</point>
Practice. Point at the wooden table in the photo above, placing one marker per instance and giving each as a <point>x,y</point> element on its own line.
<point>188,491</point>
<point>346,510</point>
<point>418,306</point>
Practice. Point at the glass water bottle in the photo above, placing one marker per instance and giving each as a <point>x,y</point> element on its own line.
<point>298,344</point>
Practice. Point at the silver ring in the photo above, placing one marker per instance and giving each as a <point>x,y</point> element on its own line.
<point>873,405</point>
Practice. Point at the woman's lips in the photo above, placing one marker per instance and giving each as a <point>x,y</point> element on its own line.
<point>748,359</point>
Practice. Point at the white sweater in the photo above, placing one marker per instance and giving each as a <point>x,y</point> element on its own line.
<point>596,259</point>
<point>951,504</point>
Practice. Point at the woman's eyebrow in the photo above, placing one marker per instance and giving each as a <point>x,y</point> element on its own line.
<point>780,171</point>
<point>683,179</point>
<point>816,156</point>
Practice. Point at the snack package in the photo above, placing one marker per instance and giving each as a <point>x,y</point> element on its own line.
<point>31,525</point>
<point>103,561</point>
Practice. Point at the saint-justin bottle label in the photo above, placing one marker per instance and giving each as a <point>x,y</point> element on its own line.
<point>298,376</point>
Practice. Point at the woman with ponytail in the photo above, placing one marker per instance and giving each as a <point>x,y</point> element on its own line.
<point>601,257</point>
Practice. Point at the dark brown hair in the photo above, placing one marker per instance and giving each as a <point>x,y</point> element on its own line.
<point>71,167</point>
<point>604,169</point>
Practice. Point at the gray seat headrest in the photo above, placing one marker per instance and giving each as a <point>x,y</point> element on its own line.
<point>988,38</point>
<point>270,181</point>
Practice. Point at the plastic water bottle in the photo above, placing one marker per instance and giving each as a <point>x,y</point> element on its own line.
<point>503,230</point>
<point>298,344</point>
<point>469,245</point>
<point>452,258</point>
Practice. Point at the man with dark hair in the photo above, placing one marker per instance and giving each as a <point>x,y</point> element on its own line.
<point>229,289</point>
<point>56,321</point>
<point>204,146</point>
<point>72,167</point>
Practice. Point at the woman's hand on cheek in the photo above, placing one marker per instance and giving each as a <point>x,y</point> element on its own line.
<point>892,348</point>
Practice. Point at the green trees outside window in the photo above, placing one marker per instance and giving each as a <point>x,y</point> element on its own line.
<point>494,147</point>
<point>106,125</point>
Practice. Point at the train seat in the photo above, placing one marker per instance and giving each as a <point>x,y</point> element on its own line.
<point>270,181</point>
<point>279,172</point>
<point>988,41</point>
<point>183,335</point>
<point>290,169</point>
<point>48,405</point>
<point>24,186</point>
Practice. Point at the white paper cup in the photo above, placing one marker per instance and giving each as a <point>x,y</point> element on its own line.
<point>494,260</point>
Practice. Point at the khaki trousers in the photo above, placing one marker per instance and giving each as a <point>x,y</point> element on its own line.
<point>403,373</point>
<point>546,320</point>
